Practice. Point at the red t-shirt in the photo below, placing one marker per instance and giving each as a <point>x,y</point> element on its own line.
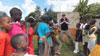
<point>5,47</point>
<point>31,48</point>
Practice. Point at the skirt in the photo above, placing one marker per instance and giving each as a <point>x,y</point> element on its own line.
<point>95,51</point>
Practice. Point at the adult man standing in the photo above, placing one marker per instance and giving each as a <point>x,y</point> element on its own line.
<point>64,22</point>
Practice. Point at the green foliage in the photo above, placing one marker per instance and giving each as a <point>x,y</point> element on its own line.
<point>88,11</point>
<point>94,10</point>
<point>82,8</point>
<point>51,13</point>
<point>36,15</point>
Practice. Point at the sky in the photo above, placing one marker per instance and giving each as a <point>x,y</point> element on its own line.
<point>28,6</point>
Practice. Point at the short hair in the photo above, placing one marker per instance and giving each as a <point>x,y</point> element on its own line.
<point>93,21</point>
<point>78,25</point>
<point>87,27</point>
<point>14,11</point>
<point>50,24</point>
<point>55,20</point>
<point>2,13</point>
<point>45,18</point>
<point>30,20</point>
<point>16,39</point>
<point>2,17</point>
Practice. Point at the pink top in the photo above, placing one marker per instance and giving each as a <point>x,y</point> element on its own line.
<point>16,29</point>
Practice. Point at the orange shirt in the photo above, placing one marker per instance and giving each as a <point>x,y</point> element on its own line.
<point>5,47</point>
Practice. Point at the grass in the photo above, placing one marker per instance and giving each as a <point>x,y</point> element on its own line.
<point>66,48</point>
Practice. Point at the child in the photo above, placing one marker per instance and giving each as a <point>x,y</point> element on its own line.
<point>30,32</point>
<point>85,46</point>
<point>5,25</point>
<point>16,15</point>
<point>57,42</point>
<point>78,37</point>
<point>96,49</point>
<point>43,32</point>
<point>52,32</point>
<point>20,43</point>
<point>92,37</point>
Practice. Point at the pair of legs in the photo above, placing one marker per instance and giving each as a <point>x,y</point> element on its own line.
<point>68,35</point>
<point>41,49</point>
<point>56,46</point>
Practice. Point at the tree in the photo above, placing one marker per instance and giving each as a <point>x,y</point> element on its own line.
<point>51,13</point>
<point>82,8</point>
<point>36,15</point>
<point>94,10</point>
<point>88,11</point>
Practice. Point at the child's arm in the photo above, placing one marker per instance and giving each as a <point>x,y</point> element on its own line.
<point>90,32</point>
<point>44,39</point>
<point>27,28</point>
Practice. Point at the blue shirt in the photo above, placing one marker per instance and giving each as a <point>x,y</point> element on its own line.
<point>42,30</point>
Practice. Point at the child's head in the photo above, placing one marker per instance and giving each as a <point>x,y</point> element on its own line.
<point>92,21</point>
<point>55,21</point>
<point>30,20</point>
<point>19,41</point>
<point>16,14</point>
<point>50,24</point>
<point>78,25</point>
<point>45,18</point>
<point>87,27</point>
<point>5,22</point>
<point>2,13</point>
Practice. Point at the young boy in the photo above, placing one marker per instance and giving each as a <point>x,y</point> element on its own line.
<point>92,37</point>
<point>20,43</point>
<point>5,26</point>
<point>43,32</point>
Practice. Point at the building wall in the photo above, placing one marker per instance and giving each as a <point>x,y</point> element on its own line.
<point>72,16</point>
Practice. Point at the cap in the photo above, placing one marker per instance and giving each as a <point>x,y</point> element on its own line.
<point>63,14</point>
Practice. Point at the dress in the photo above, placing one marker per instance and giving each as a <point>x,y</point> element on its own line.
<point>78,35</point>
<point>31,48</point>
<point>5,47</point>
<point>96,49</point>
<point>92,39</point>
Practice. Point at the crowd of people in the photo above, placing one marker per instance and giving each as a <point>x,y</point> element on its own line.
<point>16,36</point>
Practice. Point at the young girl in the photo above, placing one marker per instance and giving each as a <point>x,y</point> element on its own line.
<point>78,37</point>
<point>96,49</point>
<point>20,43</point>
<point>92,37</point>
<point>5,25</point>
<point>16,16</point>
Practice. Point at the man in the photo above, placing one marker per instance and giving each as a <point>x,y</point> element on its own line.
<point>64,22</point>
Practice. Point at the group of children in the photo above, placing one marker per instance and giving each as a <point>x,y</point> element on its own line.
<point>15,38</point>
<point>85,33</point>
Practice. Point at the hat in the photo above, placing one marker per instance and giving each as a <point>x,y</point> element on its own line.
<point>63,14</point>
<point>84,19</point>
